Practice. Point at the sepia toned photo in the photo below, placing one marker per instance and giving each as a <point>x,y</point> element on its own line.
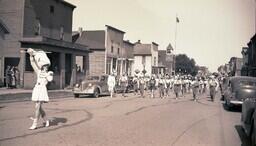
<point>128,73</point>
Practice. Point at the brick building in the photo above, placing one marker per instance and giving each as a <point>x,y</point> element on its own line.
<point>166,61</point>
<point>109,50</point>
<point>249,56</point>
<point>42,25</point>
<point>146,58</point>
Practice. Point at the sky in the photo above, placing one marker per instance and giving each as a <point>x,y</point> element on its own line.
<point>210,31</point>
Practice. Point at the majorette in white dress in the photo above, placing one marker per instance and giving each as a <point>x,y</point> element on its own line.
<point>40,91</point>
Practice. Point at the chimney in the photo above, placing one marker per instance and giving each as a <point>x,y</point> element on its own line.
<point>138,42</point>
<point>80,31</point>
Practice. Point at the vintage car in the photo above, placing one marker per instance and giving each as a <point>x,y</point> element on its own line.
<point>248,118</point>
<point>92,85</point>
<point>239,88</point>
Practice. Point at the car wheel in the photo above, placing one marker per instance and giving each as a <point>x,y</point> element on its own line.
<point>227,106</point>
<point>253,137</point>
<point>96,93</point>
<point>76,95</point>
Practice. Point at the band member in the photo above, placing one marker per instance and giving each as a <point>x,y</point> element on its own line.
<point>135,82</point>
<point>111,84</point>
<point>152,86</point>
<point>195,88</point>
<point>177,86</point>
<point>141,86</point>
<point>124,83</point>
<point>168,85</point>
<point>40,63</point>
<point>213,85</point>
<point>161,86</point>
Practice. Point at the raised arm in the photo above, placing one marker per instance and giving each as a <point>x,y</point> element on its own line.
<point>32,60</point>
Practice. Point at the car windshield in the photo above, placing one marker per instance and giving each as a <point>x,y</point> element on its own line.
<point>247,83</point>
<point>91,78</point>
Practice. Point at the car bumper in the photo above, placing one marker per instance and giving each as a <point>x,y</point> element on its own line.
<point>236,102</point>
<point>86,91</point>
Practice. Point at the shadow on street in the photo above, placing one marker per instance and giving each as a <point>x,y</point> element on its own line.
<point>236,109</point>
<point>55,121</point>
<point>244,139</point>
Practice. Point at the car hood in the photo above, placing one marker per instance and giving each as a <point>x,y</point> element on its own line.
<point>246,93</point>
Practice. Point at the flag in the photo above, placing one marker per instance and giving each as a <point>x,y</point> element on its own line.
<point>177,20</point>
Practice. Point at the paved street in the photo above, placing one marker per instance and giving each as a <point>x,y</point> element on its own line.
<point>123,121</point>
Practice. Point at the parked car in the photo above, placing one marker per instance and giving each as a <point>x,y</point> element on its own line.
<point>92,85</point>
<point>248,118</point>
<point>239,88</point>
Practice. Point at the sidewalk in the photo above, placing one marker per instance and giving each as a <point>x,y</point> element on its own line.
<point>13,95</point>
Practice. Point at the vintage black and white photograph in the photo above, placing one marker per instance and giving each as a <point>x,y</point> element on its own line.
<point>127,72</point>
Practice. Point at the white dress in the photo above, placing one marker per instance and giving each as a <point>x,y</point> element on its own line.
<point>40,91</point>
<point>111,83</point>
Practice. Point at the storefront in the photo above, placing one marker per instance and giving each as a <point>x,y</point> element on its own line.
<point>67,68</point>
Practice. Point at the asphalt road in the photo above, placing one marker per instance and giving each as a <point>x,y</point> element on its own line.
<point>123,122</point>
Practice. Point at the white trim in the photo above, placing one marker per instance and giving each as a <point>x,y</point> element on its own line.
<point>236,102</point>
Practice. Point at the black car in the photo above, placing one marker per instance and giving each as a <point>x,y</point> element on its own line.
<point>239,88</point>
<point>248,118</point>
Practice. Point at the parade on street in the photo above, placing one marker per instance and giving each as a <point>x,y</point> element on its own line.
<point>119,73</point>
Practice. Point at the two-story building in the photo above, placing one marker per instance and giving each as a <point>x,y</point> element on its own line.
<point>249,56</point>
<point>166,61</point>
<point>42,25</point>
<point>109,51</point>
<point>146,58</point>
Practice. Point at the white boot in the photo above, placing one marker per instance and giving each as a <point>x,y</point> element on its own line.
<point>47,123</point>
<point>34,125</point>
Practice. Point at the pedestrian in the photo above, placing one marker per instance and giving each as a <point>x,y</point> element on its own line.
<point>13,79</point>
<point>40,63</point>
<point>195,88</point>
<point>8,76</point>
<point>124,83</point>
<point>17,76</point>
<point>111,83</point>
<point>142,86</point>
<point>177,87</point>
<point>152,86</point>
<point>213,85</point>
<point>135,82</point>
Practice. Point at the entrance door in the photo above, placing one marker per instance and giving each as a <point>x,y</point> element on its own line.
<point>12,62</point>
<point>68,69</point>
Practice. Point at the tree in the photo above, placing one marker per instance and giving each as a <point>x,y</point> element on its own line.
<point>185,65</point>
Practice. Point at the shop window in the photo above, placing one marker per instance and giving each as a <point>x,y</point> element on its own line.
<point>61,33</point>
<point>28,66</point>
<point>37,27</point>
<point>143,60</point>
<point>52,9</point>
<point>112,49</point>
<point>108,68</point>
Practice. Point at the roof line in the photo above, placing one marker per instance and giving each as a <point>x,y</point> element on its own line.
<point>113,28</point>
<point>68,4</point>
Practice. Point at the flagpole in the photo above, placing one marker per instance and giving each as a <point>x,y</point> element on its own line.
<point>176,25</point>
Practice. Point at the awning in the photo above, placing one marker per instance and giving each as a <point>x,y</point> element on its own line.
<point>53,42</point>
